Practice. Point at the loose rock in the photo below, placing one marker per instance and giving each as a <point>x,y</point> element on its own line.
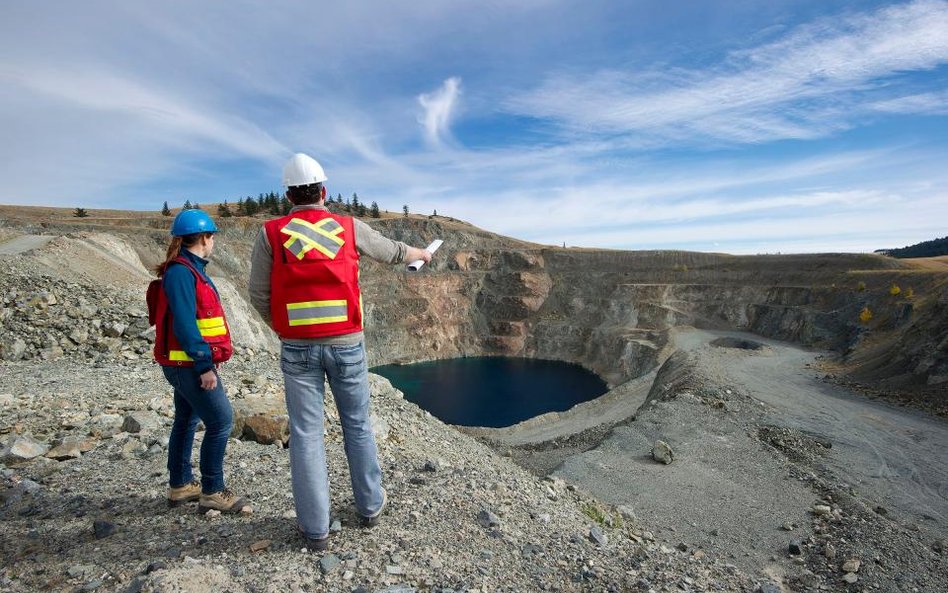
<point>662,452</point>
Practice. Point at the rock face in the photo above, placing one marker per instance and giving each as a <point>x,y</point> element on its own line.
<point>608,311</point>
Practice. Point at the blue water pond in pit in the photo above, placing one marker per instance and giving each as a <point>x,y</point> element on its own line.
<point>493,391</point>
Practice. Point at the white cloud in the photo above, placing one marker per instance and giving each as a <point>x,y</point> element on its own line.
<point>812,82</point>
<point>934,103</point>
<point>438,110</point>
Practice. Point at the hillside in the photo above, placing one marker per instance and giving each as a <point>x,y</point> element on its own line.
<point>753,369</point>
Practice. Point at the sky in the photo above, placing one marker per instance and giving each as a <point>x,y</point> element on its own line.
<point>732,126</point>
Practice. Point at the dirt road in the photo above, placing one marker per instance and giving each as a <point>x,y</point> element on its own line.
<point>24,243</point>
<point>892,455</point>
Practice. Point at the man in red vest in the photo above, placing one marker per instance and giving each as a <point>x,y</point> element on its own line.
<point>304,282</point>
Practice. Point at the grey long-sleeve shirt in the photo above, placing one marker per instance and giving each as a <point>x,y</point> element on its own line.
<point>368,241</point>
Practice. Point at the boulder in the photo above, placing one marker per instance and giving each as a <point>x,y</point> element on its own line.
<point>141,421</point>
<point>69,448</point>
<point>12,349</point>
<point>267,429</point>
<point>22,448</point>
<point>662,452</point>
<point>114,330</point>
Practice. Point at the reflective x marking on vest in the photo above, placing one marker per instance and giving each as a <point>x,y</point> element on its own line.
<point>212,326</point>
<point>316,312</point>
<point>323,236</point>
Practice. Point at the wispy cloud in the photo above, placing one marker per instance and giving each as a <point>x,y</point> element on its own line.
<point>812,82</point>
<point>438,109</point>
<point>934,103</point>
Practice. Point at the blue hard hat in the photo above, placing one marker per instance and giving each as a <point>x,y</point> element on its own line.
<point>188,222</point>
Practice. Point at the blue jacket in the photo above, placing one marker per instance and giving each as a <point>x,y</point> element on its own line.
<point>178,284</point>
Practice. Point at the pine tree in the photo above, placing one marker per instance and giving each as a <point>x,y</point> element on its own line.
<point>285,206</point>
<point>241,209</point>
<point>375,210</point>
<point>355,201</point>
<point>80,213</point>
<point>251,206</point>
<point>187,204</point>
<point>348,205</point>
<point>195,206</point>
<point>405,209</point>
<point>165,210</point>
<point>223,210</point>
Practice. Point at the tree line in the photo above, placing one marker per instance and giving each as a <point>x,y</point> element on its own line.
<point>277,205</point>
<point>932,248</point>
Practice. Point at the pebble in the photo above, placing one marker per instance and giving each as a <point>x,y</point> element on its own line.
<point>487,518</point>
<point>822,510</point>
<point>850,577</point>
<point>851,565</point>
<point>103,528</point>
<point>212,514</point>
<point>662,452</point>
<point>598,537</point>
<point>261,545</point>
<point>329,563</point>
<point>795,548</point>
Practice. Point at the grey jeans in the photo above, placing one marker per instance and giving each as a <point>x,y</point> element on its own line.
<point>304,369</point>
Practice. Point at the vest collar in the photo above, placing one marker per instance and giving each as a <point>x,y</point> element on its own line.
<point>199,262</point>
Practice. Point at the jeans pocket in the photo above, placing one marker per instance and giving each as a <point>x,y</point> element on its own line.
<point>294,359</point>
<point>350,360</point>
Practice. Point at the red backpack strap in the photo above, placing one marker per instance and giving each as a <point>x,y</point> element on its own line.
<point>184,262</point>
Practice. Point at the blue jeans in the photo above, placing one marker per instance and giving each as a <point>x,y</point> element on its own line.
<point>191,404</point>
<point>304,368</point>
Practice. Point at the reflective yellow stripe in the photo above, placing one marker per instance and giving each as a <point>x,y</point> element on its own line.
<point>300,245</point>
<point>212,326</point>
<point>328,227</point>
<point>179,355</point>
<point>322,236</point>
<point>317,312</point>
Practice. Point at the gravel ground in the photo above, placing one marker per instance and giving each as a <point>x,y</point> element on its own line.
<point>461,517</point>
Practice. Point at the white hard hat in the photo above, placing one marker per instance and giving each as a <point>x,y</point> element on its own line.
<point>302,169</point>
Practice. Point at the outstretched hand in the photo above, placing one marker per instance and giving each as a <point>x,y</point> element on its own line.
<point>414,254</point>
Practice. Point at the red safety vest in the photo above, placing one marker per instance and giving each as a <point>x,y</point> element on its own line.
<point>314,281</point>
<point>210,322</point>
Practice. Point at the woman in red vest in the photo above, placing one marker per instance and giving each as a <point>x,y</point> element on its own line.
<point>192,338</point>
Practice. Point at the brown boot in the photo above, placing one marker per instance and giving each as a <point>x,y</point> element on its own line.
<point>182,494</point>
<point>224,501</point>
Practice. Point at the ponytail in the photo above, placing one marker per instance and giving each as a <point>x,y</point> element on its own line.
<point>174,248</point>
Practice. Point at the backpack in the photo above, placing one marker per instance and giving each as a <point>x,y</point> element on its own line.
<point>153,292</point>
<point>151,299</point>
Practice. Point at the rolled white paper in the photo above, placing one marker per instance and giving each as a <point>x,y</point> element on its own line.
<point>418,263</point>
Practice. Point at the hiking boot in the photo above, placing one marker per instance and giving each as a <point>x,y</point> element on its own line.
<point>372,520</point>
<point>182,494</point>
<point>316,544</point>
<point>224,501</point>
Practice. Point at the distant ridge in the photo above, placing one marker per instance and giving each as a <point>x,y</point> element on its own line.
<point>932,248</point>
